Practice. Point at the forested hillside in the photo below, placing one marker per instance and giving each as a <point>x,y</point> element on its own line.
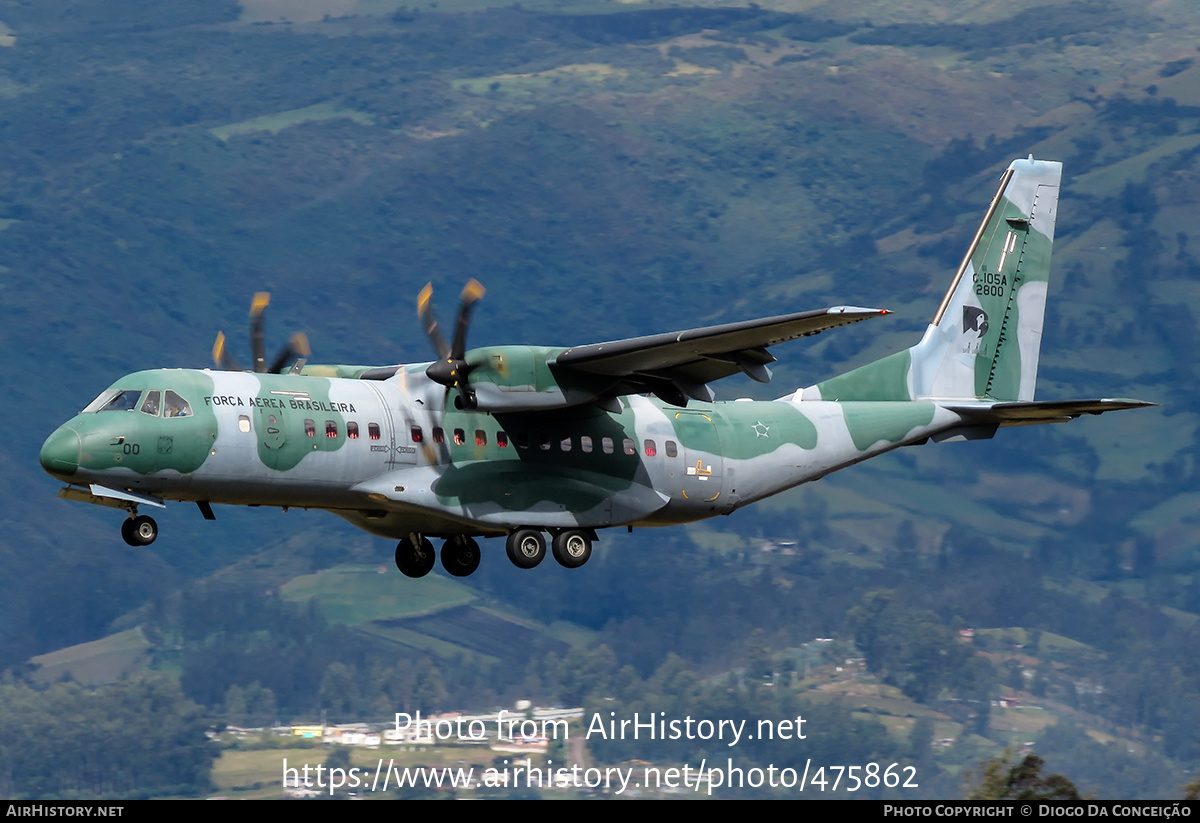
<point>608,170</point>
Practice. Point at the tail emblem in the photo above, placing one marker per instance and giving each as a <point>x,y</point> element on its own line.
<point>976,320</point>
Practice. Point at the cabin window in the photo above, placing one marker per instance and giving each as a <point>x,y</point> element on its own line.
<point>650,448</point>
<point>243,424</point>
<point>480,437</point>
<point>176,406</point>
<point>150,404</point>
<point>439,435</point>
<point>352,430</point>
<point>330,428</point>
<point>672,450</point>
<point>565,444</point>
<point>373,431</point>
<point>522,440</point>
<point>310,428</point>
<point>606,445</point>
<point>585,443</point>
<point>629,446</point>
<point>124,401</point>
<point>460,437</point>
<point>417,434</point>
<point>502,440</point>
<point>544,442</point>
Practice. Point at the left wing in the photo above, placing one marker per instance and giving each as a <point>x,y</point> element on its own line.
<point>673,366</point>
<point>692,358</point>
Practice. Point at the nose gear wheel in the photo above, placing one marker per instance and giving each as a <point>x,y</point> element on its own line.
<point>139,531</point>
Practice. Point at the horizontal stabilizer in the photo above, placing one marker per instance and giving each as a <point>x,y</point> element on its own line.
<point>1042,411</point>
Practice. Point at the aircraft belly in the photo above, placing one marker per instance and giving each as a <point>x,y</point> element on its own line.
<point>297,493</point>
<point>507,493</point>
<point>402,523</point>
<point>165,483</point>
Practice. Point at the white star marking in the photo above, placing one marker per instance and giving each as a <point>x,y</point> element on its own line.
<point>761,429</point>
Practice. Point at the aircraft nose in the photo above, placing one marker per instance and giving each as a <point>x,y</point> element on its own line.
<point>60,452</point>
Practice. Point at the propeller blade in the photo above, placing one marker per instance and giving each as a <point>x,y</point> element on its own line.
<point>429,321</point>
<point>257,307</point>
<point>296,347</point>
<point>222,357</point>
<point>471,294</point>
<point>299,342</point>
<point>451,369</point>
<point>296,350</point>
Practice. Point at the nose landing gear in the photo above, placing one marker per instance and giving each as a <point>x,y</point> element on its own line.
<point>139,530</point>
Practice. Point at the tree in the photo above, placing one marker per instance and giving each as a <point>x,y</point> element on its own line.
<point>1022,782</point>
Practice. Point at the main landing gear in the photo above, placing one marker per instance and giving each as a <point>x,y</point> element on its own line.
<point>414,556</point>
<point>526,548</point>
<point>460,554</point>
<point>571,547</point>
<point>139,530</point>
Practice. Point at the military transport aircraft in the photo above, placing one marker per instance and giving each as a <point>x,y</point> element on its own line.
<point>525,441</point>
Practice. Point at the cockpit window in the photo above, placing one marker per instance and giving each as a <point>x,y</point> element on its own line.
<point>125,400</point>
<point>176,406</point>
<point>150,404</point>
<point>102,398</point>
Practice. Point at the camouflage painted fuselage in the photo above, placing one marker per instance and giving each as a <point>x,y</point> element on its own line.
<point>284,440</point>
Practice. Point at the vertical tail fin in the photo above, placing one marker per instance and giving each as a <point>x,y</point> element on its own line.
<point>986,336</point>
<point>985,339</point>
